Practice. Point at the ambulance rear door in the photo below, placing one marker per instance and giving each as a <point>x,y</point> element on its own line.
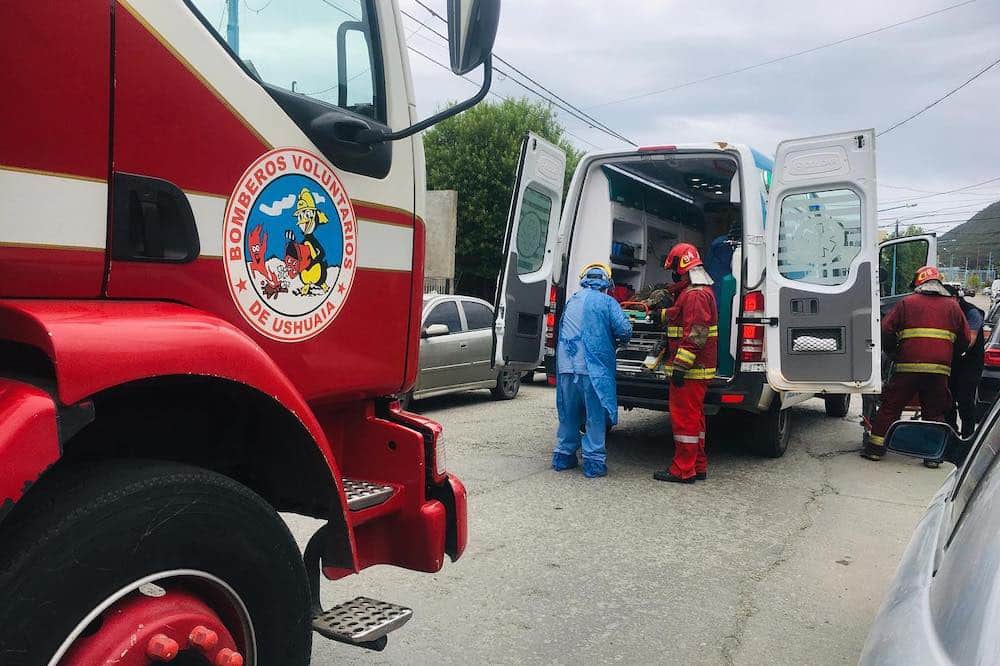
<point>822,301</point>
<point>528,255</point>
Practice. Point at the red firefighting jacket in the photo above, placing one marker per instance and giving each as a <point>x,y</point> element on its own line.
<point>925,330</point>
<point>693,332</point>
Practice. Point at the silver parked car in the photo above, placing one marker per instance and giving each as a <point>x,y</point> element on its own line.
<point>943,607</point>
<point>456,343</point>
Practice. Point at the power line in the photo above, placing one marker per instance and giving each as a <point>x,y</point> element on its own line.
<point>782,58</point>
<point>494,94</point>
<point>575,109</point>
<point>938,194</point>
<point>942,98</point>
<point>257,11</point>
<point>944,222</point>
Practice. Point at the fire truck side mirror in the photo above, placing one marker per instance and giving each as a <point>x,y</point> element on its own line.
<point>472,28</point>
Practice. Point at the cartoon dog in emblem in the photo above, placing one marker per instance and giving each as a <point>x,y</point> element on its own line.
<point>307,258</point>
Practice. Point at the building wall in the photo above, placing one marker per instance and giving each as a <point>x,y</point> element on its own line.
<point>441,221</point>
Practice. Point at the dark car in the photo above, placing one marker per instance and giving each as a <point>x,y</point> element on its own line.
<point>943,606</point>
<point>989,386</point>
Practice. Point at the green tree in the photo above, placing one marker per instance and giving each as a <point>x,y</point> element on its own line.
<point>476,154</point>
<point>973,282</point>
<point>906,259</point>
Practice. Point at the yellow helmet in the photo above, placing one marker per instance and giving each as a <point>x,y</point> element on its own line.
<point>597,264</point>
<point>307,202</point>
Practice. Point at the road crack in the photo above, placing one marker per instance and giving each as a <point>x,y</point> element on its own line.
<point>746,606</point>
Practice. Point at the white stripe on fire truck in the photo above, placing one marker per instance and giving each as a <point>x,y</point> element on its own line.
<point>381,246</point>
<point>52,210</point>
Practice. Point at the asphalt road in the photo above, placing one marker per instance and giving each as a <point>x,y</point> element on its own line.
<point>769,561</point>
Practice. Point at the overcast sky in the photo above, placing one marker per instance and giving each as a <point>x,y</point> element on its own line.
<point>592,52</point>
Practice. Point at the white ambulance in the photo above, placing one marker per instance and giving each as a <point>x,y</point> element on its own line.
<point>791,244</point>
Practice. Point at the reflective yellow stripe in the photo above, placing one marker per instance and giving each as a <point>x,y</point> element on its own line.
<point>932,368</point>
<point>700,373</point>
<point>678,331</point>
<point>685,356</point>
<point>933,333</point>
<point>876,440</point>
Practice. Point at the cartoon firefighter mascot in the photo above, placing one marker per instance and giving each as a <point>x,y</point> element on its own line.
<point>692,337</point>
<point>308,258</point>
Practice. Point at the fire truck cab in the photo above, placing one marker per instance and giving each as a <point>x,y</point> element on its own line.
<point>196,222</point>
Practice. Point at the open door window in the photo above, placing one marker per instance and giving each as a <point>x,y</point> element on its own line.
<point>523,284</point>
<point>898,262</point>
<point>822,292</point>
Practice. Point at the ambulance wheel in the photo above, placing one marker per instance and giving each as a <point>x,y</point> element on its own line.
<point>508,384</point>
<point>838,405</point>
<point>770,432</point>
<point>199,563</point>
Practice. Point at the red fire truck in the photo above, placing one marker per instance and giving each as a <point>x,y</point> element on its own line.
<point>198,227</point>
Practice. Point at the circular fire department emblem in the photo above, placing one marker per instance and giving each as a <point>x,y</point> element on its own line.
<point>290,245</point>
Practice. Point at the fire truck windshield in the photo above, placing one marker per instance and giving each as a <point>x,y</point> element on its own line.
<point>323,49</point>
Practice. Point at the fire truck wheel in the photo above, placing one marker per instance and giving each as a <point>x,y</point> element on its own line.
<point>837,406</point>
<point>508,384</point>
<point>97,551</point>
<point>770,432</point>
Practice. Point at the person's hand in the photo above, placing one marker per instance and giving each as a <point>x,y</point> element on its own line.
<point>677,377</point>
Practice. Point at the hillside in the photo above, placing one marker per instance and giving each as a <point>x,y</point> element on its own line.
<point>978,237</point>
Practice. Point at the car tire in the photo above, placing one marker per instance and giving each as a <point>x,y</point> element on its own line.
<point>508,384</point>
<point>84,536</point>
<point>837,405</point>
<point>770,432</point>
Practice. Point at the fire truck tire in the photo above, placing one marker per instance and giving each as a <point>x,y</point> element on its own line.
<point>770,432</point>
<point>91,532</point>
<point>508,384</point>
<point>838,405</point>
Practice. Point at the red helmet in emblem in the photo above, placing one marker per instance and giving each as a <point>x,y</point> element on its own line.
<point>682,258</point>
<point>926,273</point>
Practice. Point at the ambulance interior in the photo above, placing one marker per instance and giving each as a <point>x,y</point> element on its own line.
<point>634,210</point>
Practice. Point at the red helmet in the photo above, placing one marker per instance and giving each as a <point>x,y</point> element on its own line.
<point>682,258</point>
<point>925,274</point>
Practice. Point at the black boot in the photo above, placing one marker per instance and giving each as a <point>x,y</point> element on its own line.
<point>665,475</point>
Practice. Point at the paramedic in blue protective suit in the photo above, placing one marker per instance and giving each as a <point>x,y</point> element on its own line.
<point>592,325</point>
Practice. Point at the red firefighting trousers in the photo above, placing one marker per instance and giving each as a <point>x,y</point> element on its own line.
<point>687,420</point>
<point>932,389</point>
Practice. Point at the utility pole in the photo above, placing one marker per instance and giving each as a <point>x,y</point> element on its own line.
<point>894,249</point>
<point>233,27</point>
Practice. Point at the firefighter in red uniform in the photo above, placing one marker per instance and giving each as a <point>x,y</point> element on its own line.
<point>692,336</point>
<point>924,329</point>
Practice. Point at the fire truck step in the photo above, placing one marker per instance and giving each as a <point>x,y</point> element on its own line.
<point>362,621</point>
<point>363,494</point>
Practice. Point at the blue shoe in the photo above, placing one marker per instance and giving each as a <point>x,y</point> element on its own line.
<point>593,469</point>
<point>563,461</point>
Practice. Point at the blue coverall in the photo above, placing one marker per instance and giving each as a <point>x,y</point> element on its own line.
<point>592,323</point>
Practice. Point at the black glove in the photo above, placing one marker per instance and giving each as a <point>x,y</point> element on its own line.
<point>677,378</point>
